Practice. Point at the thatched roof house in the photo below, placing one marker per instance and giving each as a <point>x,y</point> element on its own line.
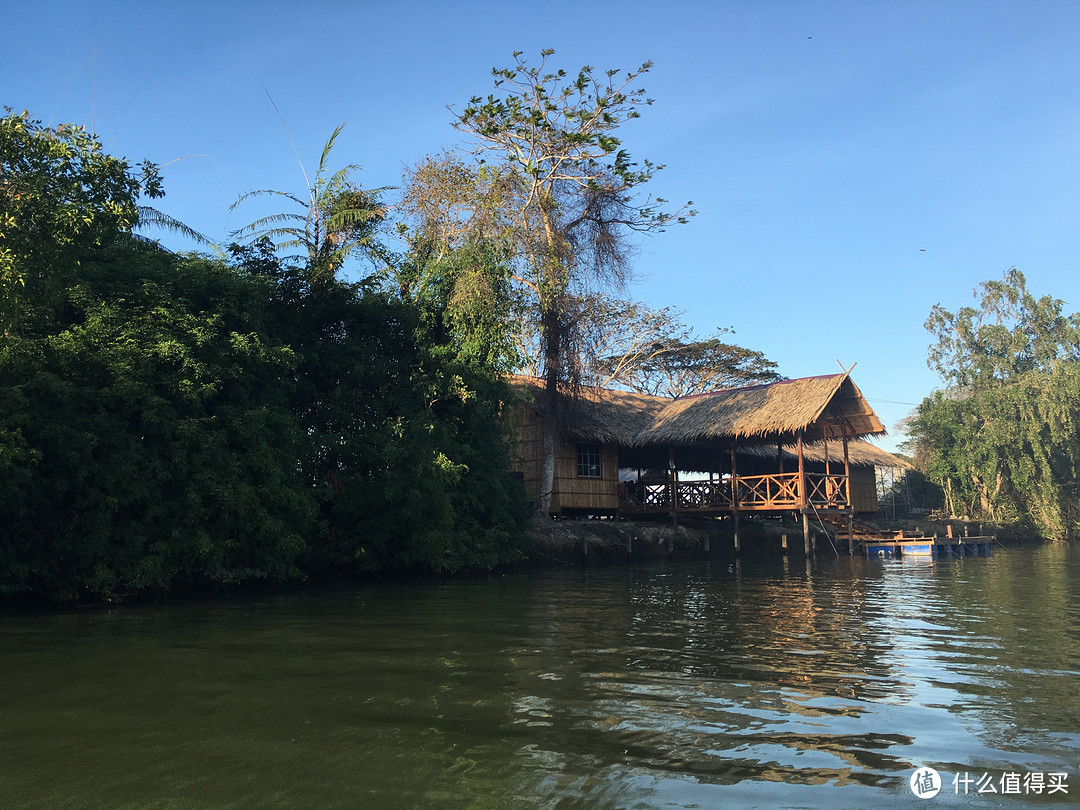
<point>819,417</point>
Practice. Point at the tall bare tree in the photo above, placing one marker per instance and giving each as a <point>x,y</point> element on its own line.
<point>565,197</point>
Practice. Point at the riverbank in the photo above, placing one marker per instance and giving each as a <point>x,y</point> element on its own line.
<point>572,541</point>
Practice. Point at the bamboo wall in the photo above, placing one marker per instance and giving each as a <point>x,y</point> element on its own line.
<point>526,424</point>
<point>571,492</point>
<point>863,489</point>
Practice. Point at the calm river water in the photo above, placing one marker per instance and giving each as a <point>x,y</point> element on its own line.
<point>750,683</point>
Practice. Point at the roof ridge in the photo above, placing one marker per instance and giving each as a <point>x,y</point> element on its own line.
<point>759,386</point>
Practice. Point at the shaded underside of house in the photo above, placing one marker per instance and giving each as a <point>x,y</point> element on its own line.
<point>787,446</point>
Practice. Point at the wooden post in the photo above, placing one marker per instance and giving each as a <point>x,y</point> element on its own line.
<point>847,469</point>
<point>708,537</point>
<point>802,479</point>
<point>851,535</point>
<point>734,497</point>
<point>779,457</point>
<point>783,543</point>
<point>673,486</point>
<point>806,532</point>
<point>948,530</point>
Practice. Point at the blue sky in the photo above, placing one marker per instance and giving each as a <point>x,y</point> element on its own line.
<point>853,163</point>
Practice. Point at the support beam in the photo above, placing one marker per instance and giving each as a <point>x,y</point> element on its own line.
<point>847,468</point>
<point>802,478</point>
<point>805,528</point>
<point>735,497</point>
<point>673,486</point>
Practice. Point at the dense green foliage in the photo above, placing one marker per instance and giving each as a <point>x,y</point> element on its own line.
<point>1003,440</point>
<point>169,421</point>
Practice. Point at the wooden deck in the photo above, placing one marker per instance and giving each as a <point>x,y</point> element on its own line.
<point>778,492</point>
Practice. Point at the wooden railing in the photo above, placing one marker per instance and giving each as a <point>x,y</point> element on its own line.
<point>827,491</point>
<point>705,495</point>
<point>750,493</point>
<point>777,491</point>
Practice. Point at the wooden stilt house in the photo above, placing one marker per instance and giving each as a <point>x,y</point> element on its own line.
<point>786,447</point>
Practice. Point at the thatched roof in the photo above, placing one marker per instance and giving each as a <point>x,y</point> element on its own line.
<point>820,407</point>
<point>598,414</point>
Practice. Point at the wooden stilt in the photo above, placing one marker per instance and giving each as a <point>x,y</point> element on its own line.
<point>806,530</point>
<point>673,486</point>
<point>735,498</point>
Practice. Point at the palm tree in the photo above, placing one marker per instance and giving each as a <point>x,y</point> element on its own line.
<point>337,219</point>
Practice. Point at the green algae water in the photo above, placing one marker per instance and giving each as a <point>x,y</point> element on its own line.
<point>739,683</point>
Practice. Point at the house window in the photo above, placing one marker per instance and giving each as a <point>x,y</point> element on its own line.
<point>588,460</point>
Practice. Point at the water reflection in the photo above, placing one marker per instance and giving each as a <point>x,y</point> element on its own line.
<point>766,683</point>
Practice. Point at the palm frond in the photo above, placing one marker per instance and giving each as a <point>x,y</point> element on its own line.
<point>340,178</point>
<point>271,219</point>
<point>267,191</point>
<point>150,217</point>
<point>328,147</point>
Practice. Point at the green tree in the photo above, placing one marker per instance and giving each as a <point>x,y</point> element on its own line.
<point>149,445</point>
<point>60,196</point>
<point>1003,440</point>
<point>399,406</point>
<point>565,197</point>
<point>172,421</point>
